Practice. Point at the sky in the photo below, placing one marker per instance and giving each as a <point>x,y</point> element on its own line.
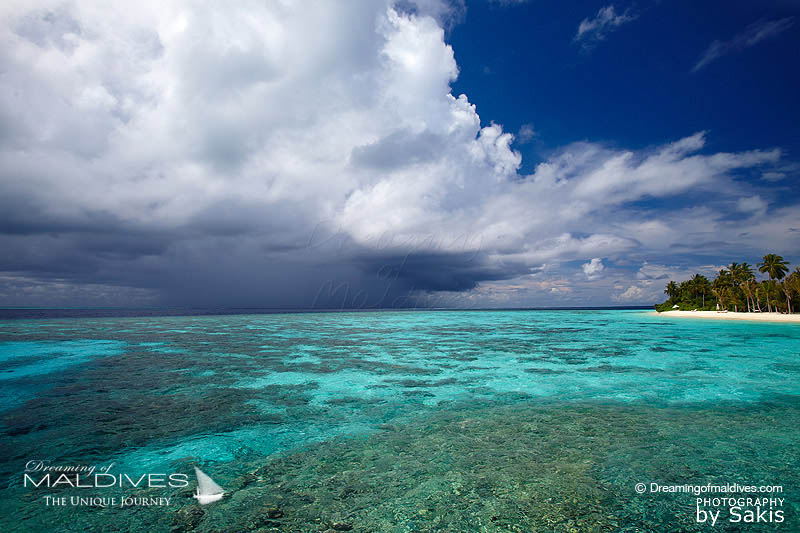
<point>381,153</point>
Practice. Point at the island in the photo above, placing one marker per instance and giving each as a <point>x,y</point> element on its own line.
<point>736,294</point>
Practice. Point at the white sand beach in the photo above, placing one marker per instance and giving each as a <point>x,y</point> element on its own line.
<point>756,317</point>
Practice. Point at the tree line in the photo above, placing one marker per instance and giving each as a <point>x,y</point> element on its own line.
<point>736,288</point>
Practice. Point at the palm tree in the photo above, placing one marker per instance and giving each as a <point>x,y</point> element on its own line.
<point>761,291</point>
<point>701,285</point>
<point>671,290</point>
<point>746,271</point>
<point>793,281</point>
<point>771,292</point>
<point>721,292</point>
<point>740,275</point>
<point>749,287</point>
<point>774,266</point>
<point>786,287</point>
<point>685,290</point>
<point>721,287</point>
<point>747,283</point>
<point>734,270</point>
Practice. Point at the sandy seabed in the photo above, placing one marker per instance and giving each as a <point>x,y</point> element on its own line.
<point>759,317</point>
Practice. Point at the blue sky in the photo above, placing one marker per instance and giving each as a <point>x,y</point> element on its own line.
<point>382,153</point>
<point>521,64</point>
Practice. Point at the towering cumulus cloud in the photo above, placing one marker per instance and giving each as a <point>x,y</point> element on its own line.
<point>299,154</point>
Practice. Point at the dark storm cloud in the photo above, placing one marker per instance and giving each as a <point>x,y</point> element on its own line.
<point>22,215</point>
<point>444,271</point>
<point>224,257</point>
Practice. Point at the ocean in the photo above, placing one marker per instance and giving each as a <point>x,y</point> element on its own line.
<point>519,420</point>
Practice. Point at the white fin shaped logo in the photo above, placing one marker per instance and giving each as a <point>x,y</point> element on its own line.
<point>207,489</point>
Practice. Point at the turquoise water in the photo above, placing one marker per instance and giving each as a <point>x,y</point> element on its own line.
<point>242,393</point>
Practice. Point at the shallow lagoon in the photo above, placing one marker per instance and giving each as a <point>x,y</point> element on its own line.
<point>404,421</point>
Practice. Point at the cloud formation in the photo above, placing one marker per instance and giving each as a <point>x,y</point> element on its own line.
<point>526,134</point>
<point>607,20</point>
<point>593,268</point>
<point>314,155</point>
<point>752,35</point>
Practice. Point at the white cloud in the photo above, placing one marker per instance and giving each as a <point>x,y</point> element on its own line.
<point>782,171</point>
<point>753,205</point>
<point>526,133</point>
<point>773,176</point>
<point>661,274</point>
<point>598,28</point>
<point>593,268</point>
<point>634,294</point>
<point>753,34</point>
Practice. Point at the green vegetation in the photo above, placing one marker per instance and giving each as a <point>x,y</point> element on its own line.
<point>736,289</point>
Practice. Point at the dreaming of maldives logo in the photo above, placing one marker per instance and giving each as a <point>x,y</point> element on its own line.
<point>40,474</point>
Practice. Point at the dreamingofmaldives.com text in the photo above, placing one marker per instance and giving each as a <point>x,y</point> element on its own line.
<point>708,488</point>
